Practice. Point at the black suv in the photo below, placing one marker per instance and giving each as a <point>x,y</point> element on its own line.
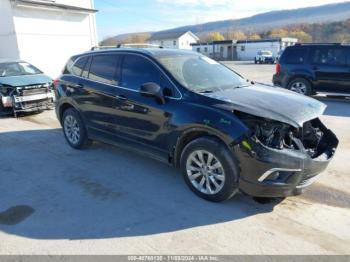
<point>224,132</point>
<point>311,68</point>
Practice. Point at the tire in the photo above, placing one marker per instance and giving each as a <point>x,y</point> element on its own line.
<point>301,86</point>
<point>74,129</point>
<point>255,61</point>
<point>225,175</point>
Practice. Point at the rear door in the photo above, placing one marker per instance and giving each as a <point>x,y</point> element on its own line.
<point>331,68</point>
<point>97,97</point>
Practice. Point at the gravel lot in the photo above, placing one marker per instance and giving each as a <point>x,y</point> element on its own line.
<point>105,200</point>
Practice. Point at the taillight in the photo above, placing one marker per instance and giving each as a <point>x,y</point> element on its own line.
<point>278,68</point>
<point>55,83</point>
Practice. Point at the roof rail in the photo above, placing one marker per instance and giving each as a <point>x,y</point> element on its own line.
<point>135,45</point>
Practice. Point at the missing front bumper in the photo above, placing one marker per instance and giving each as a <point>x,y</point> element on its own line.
<point>267,172</point>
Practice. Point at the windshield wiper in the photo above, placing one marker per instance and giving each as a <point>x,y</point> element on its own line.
<point>206,91</point>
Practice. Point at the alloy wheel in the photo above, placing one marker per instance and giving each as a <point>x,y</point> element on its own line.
<point>299,87</point>
<point>71,129</point>
<point>205,172</point>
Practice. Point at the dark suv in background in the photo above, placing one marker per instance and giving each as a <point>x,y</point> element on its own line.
<point>224,132</point>
<point>311,68</point>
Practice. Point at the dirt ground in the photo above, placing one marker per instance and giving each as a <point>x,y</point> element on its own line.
<point>105,200</point>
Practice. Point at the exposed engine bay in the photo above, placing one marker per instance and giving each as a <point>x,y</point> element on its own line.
<point>26,98</point>
<point>311,138</point>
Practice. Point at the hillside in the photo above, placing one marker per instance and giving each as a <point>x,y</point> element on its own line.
<point>266,21</point>
<point>260,24</point>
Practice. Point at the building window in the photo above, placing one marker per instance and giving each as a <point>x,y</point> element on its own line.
<point>198,49</point>
<point>206,49</point>
<point>174,43</point>
<point>242,48</point>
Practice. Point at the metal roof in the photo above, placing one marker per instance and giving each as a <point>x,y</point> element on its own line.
<point>47,4</point>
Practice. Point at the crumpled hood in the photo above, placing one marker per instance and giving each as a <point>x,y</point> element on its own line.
<point>271,102</point>
<point>25,80</point>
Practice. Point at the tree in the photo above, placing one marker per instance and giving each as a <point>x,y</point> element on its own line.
<point>341,38</point>
<point>214,36</point>
<point>278,33</point>
<point>254,37</point>
<point>301,36</point>
<point>236,35</point>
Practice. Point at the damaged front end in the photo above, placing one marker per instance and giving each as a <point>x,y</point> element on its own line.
<point>26,98</point>
<point>278,159</point>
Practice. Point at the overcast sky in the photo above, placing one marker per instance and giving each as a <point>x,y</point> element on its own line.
<point>126,16</point>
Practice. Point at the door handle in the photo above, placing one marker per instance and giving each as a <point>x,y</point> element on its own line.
<point>79,86</point>
<point>121,97</point>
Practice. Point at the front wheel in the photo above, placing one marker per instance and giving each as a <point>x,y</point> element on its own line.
<point>74,129</point>
<point>210,169</point>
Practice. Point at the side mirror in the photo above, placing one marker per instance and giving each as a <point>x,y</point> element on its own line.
<point>152,90</point>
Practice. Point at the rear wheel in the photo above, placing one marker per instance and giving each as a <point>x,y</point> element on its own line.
<point>210,169</point>
<point>300,86</point>
<point>74,129</point>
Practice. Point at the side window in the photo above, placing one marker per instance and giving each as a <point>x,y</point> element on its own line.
<point>295,56</point>
<point>329,56</point>
<point>137,70</point>
<point>85,73</point>
<point>103,69</point>
<point>79,65</point>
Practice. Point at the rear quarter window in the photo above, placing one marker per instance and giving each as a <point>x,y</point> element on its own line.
<point>79,65</point>
<point>294,56</point>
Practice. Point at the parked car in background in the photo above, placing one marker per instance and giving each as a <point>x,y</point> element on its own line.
<point>23,88</point>
<point>311,68</point>
<point>224,132</point>
<point>264,57</point>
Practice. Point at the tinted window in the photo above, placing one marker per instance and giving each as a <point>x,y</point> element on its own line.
<point>103,68</point>
<point>85,73</point>
<point>294,56</point>
<point>78,66</point>
<point>329,56</point>
<point>137,70</point>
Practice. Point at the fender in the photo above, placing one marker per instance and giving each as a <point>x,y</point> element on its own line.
<point>306,74</point>
<point>208,120</point>
<point>61,100</point>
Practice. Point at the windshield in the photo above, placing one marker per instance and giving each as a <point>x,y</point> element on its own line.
<point>266,53</point>
<point>18,69</point>
<point>200,73</point>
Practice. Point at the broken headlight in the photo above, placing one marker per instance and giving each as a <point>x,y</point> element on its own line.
<point>279,135</point>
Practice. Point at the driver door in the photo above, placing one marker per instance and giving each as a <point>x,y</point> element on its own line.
<point>142,119</point>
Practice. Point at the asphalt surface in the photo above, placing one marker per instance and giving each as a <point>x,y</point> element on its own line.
<point>105,200</point>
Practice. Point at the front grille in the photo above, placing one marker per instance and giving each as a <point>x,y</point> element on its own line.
<point>33,104</point>
<point>33,91</point>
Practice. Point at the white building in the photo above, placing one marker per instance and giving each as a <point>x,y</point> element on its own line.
<point>247,50</point>
<point>174,40</point>
<point>224,50</point>
<point>46,32</point>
